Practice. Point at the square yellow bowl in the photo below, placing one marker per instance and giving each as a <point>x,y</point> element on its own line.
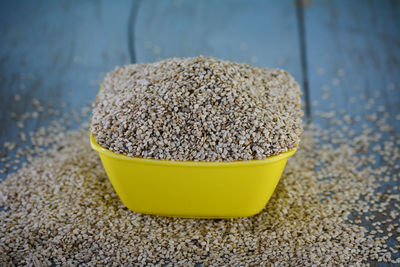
<point>191,189</point>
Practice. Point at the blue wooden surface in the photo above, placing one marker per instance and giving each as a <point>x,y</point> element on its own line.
<point>263,33</point>
<point>353,47</point>
<point>341,52</point>
<point>56,52</point>
<point>353,59</point>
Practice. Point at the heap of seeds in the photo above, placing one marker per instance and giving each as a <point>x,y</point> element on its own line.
<point>201,109</point>
<point>61,209</point>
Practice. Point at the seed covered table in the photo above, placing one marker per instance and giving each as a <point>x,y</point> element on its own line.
<point>344,54</point>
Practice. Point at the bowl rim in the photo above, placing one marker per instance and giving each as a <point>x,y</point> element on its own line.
<point>109,153</point>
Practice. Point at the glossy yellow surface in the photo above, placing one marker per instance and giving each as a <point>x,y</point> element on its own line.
<point>193,189</point>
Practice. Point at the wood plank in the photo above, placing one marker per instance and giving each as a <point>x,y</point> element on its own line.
<point>353,58</point>
<point>353,48</point>
<point>260,32</point>
<point>57,52</point>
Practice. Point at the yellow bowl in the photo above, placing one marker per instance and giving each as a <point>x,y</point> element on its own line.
<point>192,189</point>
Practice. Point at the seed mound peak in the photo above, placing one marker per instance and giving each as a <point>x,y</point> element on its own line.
<point>198,109</point>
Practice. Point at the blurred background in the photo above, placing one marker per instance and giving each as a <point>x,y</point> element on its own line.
<point>53,54</point>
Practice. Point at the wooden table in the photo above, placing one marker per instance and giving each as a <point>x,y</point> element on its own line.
<point>58,51</point>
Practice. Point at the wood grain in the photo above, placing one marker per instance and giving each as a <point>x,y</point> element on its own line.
<point>57,52</point>
<point>260,32</point>
<point>360,40</point>
<point>353,48</point>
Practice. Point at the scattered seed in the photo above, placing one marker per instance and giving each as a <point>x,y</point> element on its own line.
<point>156,50</point>
<point>391,86</point>
<point>17,98</point>
<point>336,81</point>
<point>340,72</point>
<point>282,61</point>
<point>253,59</point>
<point>148,44</point>
<point>67,207</point>
<point>320,70</point>
<point>60,209</point>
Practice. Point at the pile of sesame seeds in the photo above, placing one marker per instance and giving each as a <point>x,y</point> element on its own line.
<point>333,206</point>
<point>200,109</point>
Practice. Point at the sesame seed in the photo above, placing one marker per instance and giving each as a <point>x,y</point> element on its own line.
<point>196,102</point>
<point>336,81</point>
<point>59,208</point>
<point>243,47</point>
<point>320,70</point>
<point>17,98</point>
